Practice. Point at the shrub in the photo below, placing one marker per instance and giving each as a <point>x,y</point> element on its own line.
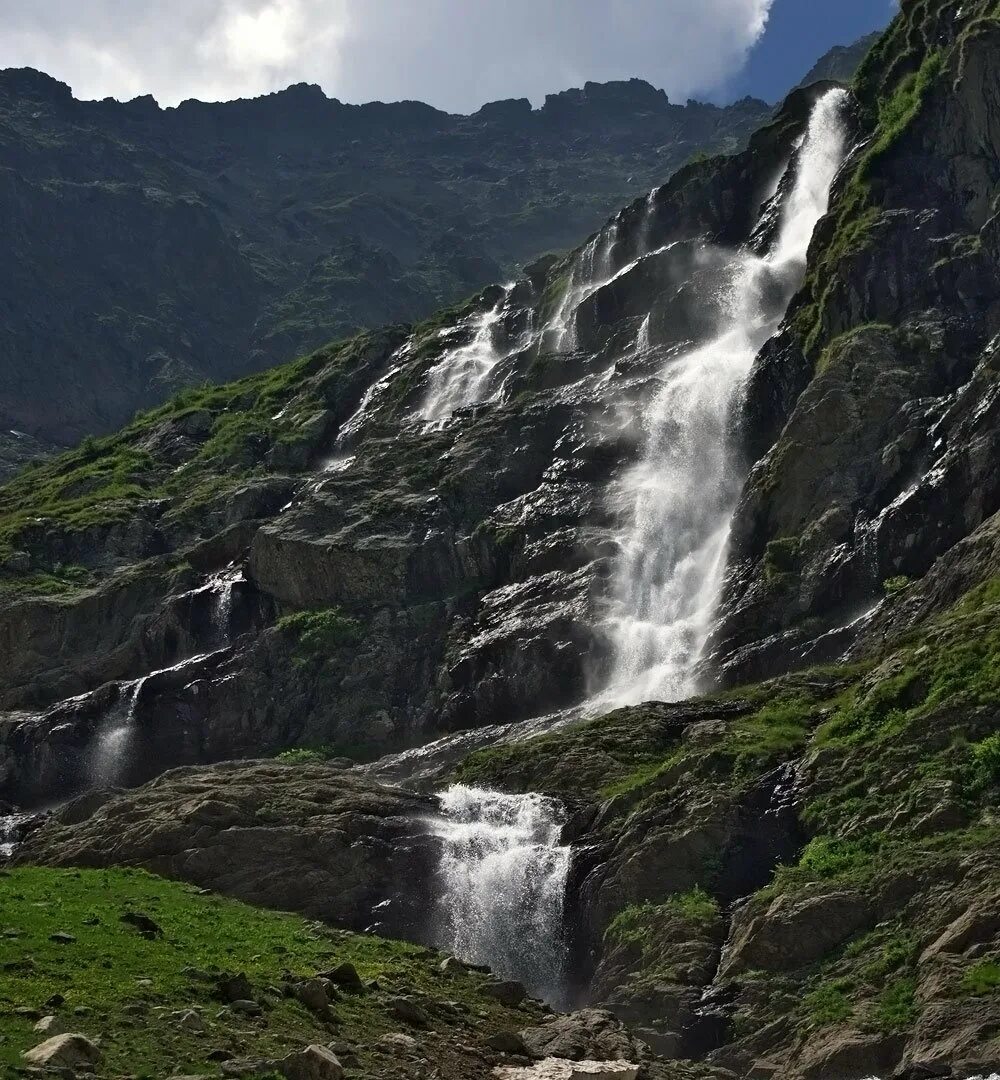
<point>828,1004</point>
<point>319,634</point>
<point>896,1008</point>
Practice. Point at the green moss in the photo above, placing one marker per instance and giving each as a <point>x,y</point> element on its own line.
<point>894,585</point>
<point>781,556</point>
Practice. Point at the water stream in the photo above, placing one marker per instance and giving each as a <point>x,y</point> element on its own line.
<point>675,506</point>
<point>503,876</point>
<point>461,376</point>
<point>503,866</point>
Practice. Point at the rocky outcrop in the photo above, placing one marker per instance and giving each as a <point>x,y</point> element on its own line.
<point>305,838</point>
<point>871,415</point>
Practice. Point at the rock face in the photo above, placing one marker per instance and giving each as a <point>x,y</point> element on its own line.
<point>303,838</point>
<point>151,249</point>
<point>334,554</point>
<point>872,414</point>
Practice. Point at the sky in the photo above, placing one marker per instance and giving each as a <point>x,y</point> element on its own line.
<point>454,54</point>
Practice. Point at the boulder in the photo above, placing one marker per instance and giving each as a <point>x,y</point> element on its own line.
<point>70,1051</point>
<point>409,1011</point>
<point>589,1034</point>
<point>313,1063</point>
<point>50,1025</point>
<point>506,991</point>
<point>561,1069</point>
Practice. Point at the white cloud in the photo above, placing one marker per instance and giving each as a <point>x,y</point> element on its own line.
<point>455,54</point>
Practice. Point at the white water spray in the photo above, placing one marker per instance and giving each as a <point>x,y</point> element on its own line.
<point>591,270</point>
<point>113,746</point>
<point>676,505</point>
<point>503,883</point>
<point>462,375</point>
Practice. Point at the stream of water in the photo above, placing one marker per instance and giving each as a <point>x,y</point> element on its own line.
<point>503,884</point>
<point>675,506</point>
<point>503,866</point>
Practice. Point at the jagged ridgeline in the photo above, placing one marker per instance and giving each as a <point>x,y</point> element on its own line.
<point>151,249</point>
<point>740,444</point>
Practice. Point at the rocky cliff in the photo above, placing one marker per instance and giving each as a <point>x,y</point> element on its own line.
<point>422,532</point>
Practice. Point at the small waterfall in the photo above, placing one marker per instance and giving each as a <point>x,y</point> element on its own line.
<point>461,375</point>
<point>113,747</point>
<point>11,827</point>
<point>503,877</point>
<point>677,503</point>
<point>591,270</point>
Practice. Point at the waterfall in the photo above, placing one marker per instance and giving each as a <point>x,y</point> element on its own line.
<point>113,746</point>
<point>503,881</point>
<point>676,504</point>
<point>461,375</point>
<point>591,270</point>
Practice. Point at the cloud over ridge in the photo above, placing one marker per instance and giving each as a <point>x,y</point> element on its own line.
<point>455,54</point>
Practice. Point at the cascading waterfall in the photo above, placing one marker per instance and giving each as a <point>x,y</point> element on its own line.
<point>113,746</point>
<point>461,375</point>
<point>677,503</point>
<point>591,270</point>
<point>503,877</point>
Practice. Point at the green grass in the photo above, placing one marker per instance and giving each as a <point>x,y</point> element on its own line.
<point>121,477</point>
<point>827,1004</point>
<point>129,984</point>
<point>637,923</point>
<point>896,1007</point>
<point>982,978</point>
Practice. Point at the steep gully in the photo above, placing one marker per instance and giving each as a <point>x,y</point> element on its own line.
<point>504,866</point>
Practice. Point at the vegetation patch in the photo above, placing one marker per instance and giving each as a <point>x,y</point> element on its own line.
<point>67,948</point>
<point>982,978</point>
<point>319,635</point>
<point>637,924</point>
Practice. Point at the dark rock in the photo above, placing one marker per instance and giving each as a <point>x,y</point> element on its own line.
<point>507,992</point>
<point>409,1011</point>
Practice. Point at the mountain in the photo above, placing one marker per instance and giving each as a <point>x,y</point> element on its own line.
<point>630,627</point>
<point>842,62</point>
<point>150,249</point>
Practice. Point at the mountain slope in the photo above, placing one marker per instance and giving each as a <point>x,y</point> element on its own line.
<point>424,532</point>
<point>151,249</point>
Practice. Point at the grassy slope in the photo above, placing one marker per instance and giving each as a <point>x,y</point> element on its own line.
<point>104,971</point>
